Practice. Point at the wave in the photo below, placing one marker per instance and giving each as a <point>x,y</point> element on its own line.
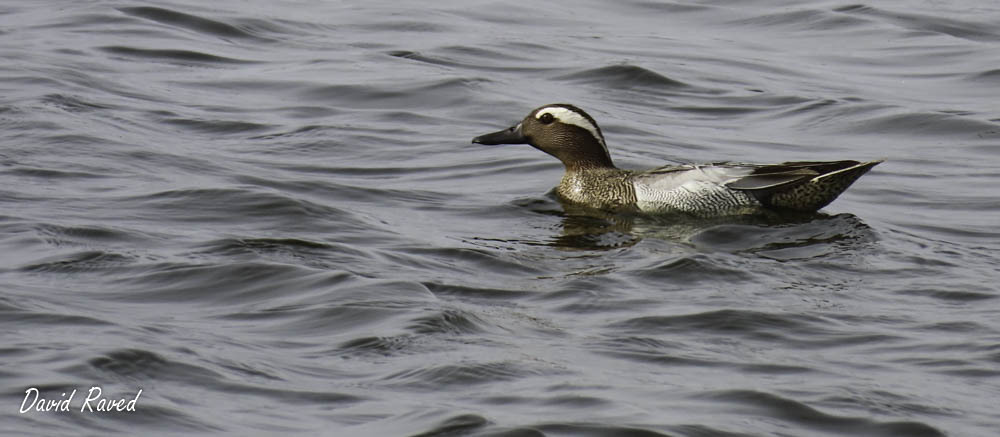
<point>176,55</point>
<point>190,22</point>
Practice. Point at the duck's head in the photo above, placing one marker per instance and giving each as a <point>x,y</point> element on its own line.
<point>561,130</point>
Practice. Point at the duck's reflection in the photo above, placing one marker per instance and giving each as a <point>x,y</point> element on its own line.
<point>771,234</point>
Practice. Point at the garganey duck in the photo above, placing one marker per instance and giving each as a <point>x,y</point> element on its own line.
<point>592,180</point>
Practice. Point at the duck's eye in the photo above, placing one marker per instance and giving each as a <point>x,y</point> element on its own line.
<point>546,118</point>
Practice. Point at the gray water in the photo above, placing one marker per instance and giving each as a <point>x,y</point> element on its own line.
<point>267,216</point>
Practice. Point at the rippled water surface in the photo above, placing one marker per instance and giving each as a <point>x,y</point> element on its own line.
<point>267,216</point>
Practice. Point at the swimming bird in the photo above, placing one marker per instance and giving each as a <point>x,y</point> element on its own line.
<point>723,188</point>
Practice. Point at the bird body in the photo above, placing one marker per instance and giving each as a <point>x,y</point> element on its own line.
<point>591,178</point>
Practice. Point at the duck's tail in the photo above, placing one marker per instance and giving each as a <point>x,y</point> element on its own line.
<point>804,186</point>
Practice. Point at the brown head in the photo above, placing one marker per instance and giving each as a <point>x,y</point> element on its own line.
<point>561,130</point>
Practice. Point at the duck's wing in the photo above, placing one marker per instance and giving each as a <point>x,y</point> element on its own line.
<point>674,176</point>
<point>771,177</point>
<point>801,185</point>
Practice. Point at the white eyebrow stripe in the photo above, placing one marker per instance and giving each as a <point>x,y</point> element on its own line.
<point>569,116</point>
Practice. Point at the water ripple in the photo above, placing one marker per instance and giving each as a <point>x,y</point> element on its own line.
<point>190,22</point>
<point>929,23</point>
<point>755,402</point>
<point>175,55</point>
<point>624,77</point>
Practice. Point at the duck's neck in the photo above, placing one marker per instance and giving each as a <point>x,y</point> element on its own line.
<point>588,164</point>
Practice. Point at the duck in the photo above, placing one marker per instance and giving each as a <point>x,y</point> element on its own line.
<point>592,180</point>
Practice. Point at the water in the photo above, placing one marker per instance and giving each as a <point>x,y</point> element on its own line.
<point>269,218</point>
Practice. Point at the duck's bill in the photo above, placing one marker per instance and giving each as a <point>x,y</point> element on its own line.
<point>511,135</point>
